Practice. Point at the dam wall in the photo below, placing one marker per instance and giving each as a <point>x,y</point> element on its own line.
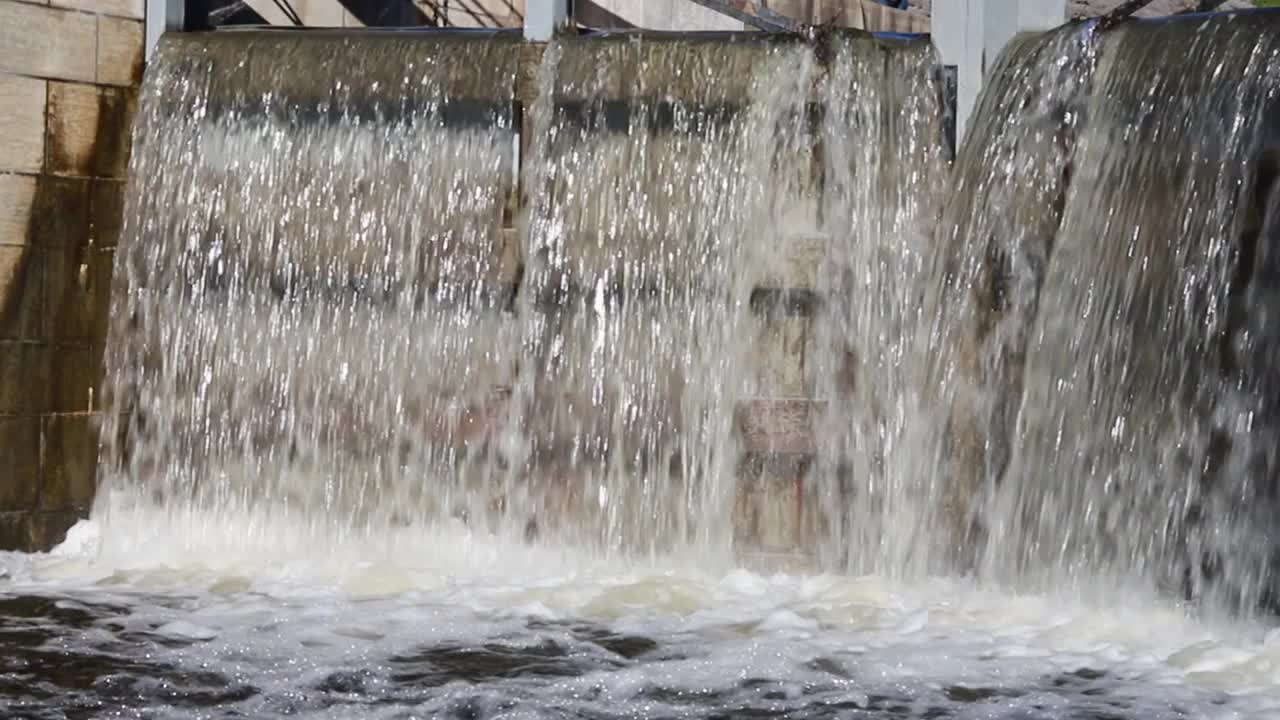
<point>69,74</point>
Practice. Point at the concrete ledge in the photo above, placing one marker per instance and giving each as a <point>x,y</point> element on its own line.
<point>298,58</point>
<point>38,531</point>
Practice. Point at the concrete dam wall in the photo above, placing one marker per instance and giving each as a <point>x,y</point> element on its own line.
<point>69,75</point>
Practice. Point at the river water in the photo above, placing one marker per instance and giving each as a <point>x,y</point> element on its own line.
<point>185,620</point>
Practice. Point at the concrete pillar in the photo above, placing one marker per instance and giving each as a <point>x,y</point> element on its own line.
<point>970,34</point>
<point>162,16</point>
<point>542,18</point>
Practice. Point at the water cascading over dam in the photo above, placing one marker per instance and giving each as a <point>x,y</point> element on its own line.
<point>356,304</point>
<point>307,327</point>
<point>650,177</point>
<point>682,293</point>
<point>1144,442</point>
<point>1101,333</point>
<point>456,376</point>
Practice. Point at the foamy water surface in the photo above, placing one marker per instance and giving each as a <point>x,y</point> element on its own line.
<point>175,620</point>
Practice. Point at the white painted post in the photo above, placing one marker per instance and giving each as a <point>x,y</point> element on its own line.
<point>970,34</point>
<point>161,17</point>
<point>542,18</point>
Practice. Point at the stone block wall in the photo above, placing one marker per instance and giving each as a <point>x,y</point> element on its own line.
<point>69,72</point>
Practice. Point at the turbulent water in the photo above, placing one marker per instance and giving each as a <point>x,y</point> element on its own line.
<point>883,165</point>
<point>654,177</point>
<point>306,325</point>
<point>993,245</point>
<point>449,624</point>
<point>1143,449</point>
<point>446,381</point>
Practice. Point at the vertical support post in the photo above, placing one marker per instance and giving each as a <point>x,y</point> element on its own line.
<point>163,16</point>
<point>543,18</point>
<point>970,34</point>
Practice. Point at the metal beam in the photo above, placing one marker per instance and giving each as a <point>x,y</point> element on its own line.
<point>543,18</point>
<point>233,12</point>
<point>161,17</point>
<point>210,14</point>
<point>1121,13</point>
<point>387,13</point>
<point>752,13</point>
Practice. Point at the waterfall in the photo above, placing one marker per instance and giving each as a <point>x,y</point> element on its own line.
<point>1143,449</point>
<point>304,320</point>
<point>645,294</point>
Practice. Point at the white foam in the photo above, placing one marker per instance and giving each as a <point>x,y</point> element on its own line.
<point>186,631</point>
<point>371,598</point>
<point>81,540</point>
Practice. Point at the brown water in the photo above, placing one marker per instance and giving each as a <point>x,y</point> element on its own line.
<point>656,182</point>
<point>307,318</point>
<point>1142,451</point>
<point>884,170</point>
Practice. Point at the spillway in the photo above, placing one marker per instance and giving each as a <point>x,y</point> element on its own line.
<point>658,375</point>
<point>877,501</point>
<point>657,169</point>
<point>308,325</point>
<point>1102,317</point>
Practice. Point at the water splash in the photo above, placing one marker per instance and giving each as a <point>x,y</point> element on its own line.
<point>651,178</point>
<point>1139,446</point>
<point>883,169</point>
<point>993,243</point>
<point>313,245</point>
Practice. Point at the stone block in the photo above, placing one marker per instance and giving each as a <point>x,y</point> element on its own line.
<point>21,287</point>
<point>779,361</point>
<point>777,425</point>
<point>106,213</point>
<point>69,462</point>
<point>794,264</point>
<point>89,130</point>
<point>46,530</point>
<point>22,104</point>
<point>769,512</point>
<point>20,445</point>
<point>25,377</point>
<point>76,374</point>
<point>119,51</point>
<point>77,295</point>
<point>48,42</point>
<point>73,127</point>
<point>14,533</point>
<point>60,212</point>
<point>17,196</point>
<point>123,8</point>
